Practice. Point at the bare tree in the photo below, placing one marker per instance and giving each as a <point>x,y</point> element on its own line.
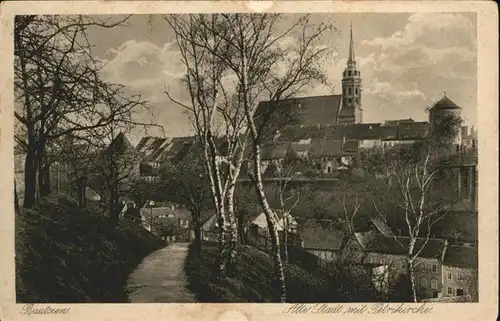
<point>250,48</point>
<point>263,70</point>
<point>76,158</point>
<point>211,106</point>
<point>287,202</point>
<point>423,197</point>
<point>59,91</point>
<point>116,170</point>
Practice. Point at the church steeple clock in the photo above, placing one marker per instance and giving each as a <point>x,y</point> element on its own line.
<point>351,111</point>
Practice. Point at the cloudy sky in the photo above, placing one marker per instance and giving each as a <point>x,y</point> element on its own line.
<point>407,62</point>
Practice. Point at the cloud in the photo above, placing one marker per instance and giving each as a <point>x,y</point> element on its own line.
<point>150,70</point>
<point>403,72</point>
<point>409,69</point>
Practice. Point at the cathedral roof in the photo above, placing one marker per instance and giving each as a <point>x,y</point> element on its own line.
<point>445,103</point>
<point>308,111</point>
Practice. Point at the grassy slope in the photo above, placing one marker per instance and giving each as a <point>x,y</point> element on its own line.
<point>65,254</point>
<point>252,280</point>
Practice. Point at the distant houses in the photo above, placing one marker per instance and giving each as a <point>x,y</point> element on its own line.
<point>172,223</point>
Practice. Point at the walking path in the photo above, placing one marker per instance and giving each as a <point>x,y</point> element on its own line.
<point>160,277</point>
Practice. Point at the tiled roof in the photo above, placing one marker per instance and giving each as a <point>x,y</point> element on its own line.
<point>325,148</point>
<point>179,147</point>
<point>310,111</point>
<point>152,148</point>
<point>389,132</point>
<point>396,122</point>
<point>363,131</point>
<point>410,131</point>
<point>444,103</point>
<point>350,147</point>
<point>389,245</point>
<point>320,234</point>
<point>461,256</point>
<point>120,144</point>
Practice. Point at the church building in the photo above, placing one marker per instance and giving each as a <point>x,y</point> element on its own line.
<point>330,130</point>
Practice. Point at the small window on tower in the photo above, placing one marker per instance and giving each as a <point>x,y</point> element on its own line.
<point>356,90</point>
<point>349,73</point>
<point>350,91</point>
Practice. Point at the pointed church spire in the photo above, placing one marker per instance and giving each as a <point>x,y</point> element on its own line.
<point>351,50</point>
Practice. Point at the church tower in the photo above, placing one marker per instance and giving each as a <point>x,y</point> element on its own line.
<point>351,111</point>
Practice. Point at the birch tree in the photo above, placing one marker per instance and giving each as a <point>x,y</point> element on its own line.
<point>424,194</point>
<point>265,69</point>
<point>217,119</point>
<point>288,199</point>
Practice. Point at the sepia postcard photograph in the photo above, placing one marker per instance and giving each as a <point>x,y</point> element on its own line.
<point>332,159</point>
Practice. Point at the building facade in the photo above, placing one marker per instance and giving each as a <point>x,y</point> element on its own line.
<point>460,272</point>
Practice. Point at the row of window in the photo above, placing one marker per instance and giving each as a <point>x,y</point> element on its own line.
<point>352,73</point>
<point>349,91</point>
<point>459,277</point>
<point>402,265</point>
<point>423,283</point>
<point>458,292</point>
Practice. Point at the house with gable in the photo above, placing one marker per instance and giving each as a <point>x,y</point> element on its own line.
<point>391,254</point>
<point>460,271</point>
<point>386,255</point>
<point>323,238</point>
<point>151,150</point>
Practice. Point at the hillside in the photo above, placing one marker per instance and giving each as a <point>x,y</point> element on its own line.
<point>68,255</point>
<point>254,272</point>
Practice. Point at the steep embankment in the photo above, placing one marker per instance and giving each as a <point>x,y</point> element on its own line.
<point>254,274</point>
<point>69,255</point>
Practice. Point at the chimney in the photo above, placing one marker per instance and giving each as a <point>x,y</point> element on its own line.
<point>444,250</point>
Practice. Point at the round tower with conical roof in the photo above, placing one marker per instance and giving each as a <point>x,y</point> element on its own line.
<point>446,113</point>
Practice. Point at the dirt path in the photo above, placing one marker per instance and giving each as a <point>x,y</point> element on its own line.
<point>160,277</point>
